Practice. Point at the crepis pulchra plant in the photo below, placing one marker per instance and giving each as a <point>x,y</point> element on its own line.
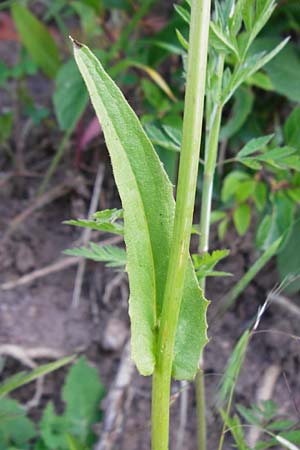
<point>167,305</point>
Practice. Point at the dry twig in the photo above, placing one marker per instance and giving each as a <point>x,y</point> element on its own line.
<point>285,303</point>
<point>86,236</point>
<point>57,266</point>
<point>111,285</point>
<point>40,202</point>
<point>113,403</point>
<point>27,355</point>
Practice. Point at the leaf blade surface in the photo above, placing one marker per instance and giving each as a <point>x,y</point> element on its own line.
<point>147,199</point>
<point>36,38</point>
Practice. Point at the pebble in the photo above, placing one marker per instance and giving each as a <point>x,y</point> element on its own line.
<point>114,335</point>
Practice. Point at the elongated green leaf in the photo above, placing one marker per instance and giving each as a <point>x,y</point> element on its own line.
<point>220,41</point>
<point>182,40</point>
<point>261,19</point>
<point>254,145</point>
<point>36,39</point>
<point>16,381</point>
<point>291,128</point>
<point>241,218</point>
<point>148,203</point>
<point>183,13</point>
<point>235,427</point>
<point>284,69</point>
<point>233,367</point>
<point>70,97</point>
<point>288,260</point>
<point>251,65</point>
<point>241,109</point>
<point>158,137</point>
<point>174,133</point>
<point>276,154</point>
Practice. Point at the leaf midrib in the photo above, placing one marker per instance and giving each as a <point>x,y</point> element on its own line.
<point>103,76</point>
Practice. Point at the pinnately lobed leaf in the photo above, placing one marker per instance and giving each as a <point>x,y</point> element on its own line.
<point>148,203</point>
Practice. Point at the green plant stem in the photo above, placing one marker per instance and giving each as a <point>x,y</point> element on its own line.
<point>228,409</point>
<point>201,408</point>
<point>211,152</point>
<point>55,161</point>
<point>187,179</point>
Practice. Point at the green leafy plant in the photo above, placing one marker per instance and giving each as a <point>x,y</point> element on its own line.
<point>233,62</point>
<point>147,203</point>
<point>167,306</point>
<point>70,96</point>
<point>81,393</point>
<point>275,428</point>
<point>257,183</point>
<point>166,337</point>
<point>15,428</point>
<point>265,417</point>
<point>263,166</point>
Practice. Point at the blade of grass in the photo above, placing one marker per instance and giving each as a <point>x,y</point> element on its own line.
<point>16,381</point>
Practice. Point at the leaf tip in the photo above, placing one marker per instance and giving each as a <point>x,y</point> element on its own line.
<point>76,43</point>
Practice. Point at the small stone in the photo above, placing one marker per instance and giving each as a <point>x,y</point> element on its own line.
<point>25,260</point>
<point>114,335</point>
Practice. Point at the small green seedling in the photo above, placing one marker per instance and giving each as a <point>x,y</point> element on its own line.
<point>82,393</point>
